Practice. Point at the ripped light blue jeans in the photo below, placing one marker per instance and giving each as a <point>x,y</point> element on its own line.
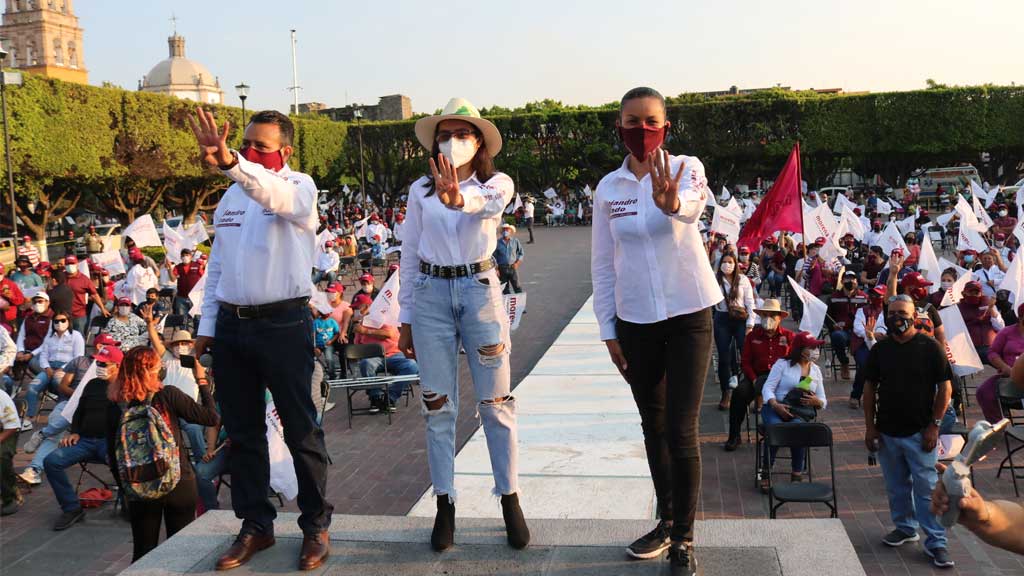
<point>469,312</point>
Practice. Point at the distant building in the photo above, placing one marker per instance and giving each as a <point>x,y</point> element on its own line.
<point>394,107</point>
<point>735,91</point>
<point>181,77</point>
<point>43,37</point>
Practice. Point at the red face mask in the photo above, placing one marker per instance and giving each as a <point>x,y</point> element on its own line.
<point>641,140</point>
<point>269,160</point>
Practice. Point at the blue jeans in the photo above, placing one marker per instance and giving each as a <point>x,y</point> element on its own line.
<point>196,434</point>
<point>55,424</point>
<point>206,474</point>
<point>395,365</point>
<point>910,477</point>
<point>775,280</point>
<point>40,384</point>
<point>329,360</point>
<point>471,310</point>
<point>92,450</point>
<point>274,352</point>
<point>860,357</point>
<point>182,306</point>
<point>79,324</point>
<point>840,343</point>
<point>729,335</point>
<point>321,275</point>
<point>769,417</point>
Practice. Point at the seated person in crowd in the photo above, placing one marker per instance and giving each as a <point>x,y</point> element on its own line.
<point>981,317</point>
<point>367,287</point>
<point>794,383</point>
<point>8,352</point>
<point>126,327</point>
<point>949,276</point>
<point>88,440</point>
<point>10,425</point>
<point>394,362</point>
<point>842,308</point>
<point>766,343</point>
<point>45,440</point>
<point>326,264</point>
<point>33,331</point>
<point>1006,347</point>
<point>873,265</point>
<point>326,333</point>
<point>59,347</point>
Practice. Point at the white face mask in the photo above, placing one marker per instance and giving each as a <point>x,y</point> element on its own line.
<point>458,152</point>
<point>771,323</point>
<point>39,308</point>
<point>813,354</point>
<point>183,350</point>
<point>60,328</point>
<point>728,267</point>
<point>505,235</point>
<point>71,269</point>
<point>101,372</point>
<point>1000,243</point>
<point>1002,213</point>
<point>367,288</point>
<point>124,310</point>
<point>946,285</point>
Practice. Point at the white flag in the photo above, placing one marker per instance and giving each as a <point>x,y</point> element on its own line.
<point>359,227</point>
<point>196,295</point>
<point>890,239</point>
<point>515,307</point>
<point>980,193</point>
<point>1014,278</point>
<point>748,210</point>
<point>981,214</point>
<point>588,192</point>
<point>175,242</point>
<point>927,263</point>
<point>946,264</point>
<point>725,194</point>
<point>883,207</point>
<point>969,239</point>
<point>69,409</point>
<point>734,207</point>
<point>516,205</point>
<point>550,193</point>
<point>963,356</point>
<point>814,309</point>
<point>1018,230</point>
<point>849,223</point>
<point>906,226</point>
<point>944,219</point>
<point>282,467</point>
<point>197,231</point>
<point>110,261</point>
<point>955,293</point>
<point>726,222</point>
<point>143,232</point>
<point>841,202</point>
<point>385,307</point>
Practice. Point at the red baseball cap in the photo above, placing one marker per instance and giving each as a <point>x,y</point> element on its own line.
<point>124,302</point>
<point>973,285</point>
<point>744,250</point>
<point>335,288</point>
<point>366,278</point>
<point>105,340</point>
<point>71,260</point>
<point>915,280</point>
<point>820,241</point>
<point>1000,236</point>
<point>878,291</point>
<point>804,340</point>
<point>136,254</point>
<point>329,243</point>
<point>972,252</point>
<point>924,212</point>
<point>27,239</point>
<point>110,355</point>
<point>361,300</point>
<point>856,211</point>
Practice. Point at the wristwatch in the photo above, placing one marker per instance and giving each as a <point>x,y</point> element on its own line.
<point>938,423</point>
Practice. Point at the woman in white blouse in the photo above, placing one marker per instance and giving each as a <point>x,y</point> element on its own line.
<point>797,371</point>
<point>653,293</point>
<point>451,298</point>
<point>734,318</point>
<point>60,346</point>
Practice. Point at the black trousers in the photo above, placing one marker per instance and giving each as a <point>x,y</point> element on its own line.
<point>667,364</point>
<point>249,357</point>
<point>510,275</point>
<point>742,396</point>
<point>176,510</point>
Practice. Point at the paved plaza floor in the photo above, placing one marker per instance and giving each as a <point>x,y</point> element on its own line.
<point>582,457</point>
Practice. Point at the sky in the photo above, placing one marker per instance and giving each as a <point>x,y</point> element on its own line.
<point>510,52</point>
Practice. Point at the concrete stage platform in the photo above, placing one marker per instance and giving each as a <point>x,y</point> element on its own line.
<point>399,546</point>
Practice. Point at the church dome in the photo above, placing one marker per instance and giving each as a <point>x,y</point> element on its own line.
<point>178,73</point>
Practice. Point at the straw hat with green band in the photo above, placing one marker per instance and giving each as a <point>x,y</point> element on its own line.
<point>459,109</point>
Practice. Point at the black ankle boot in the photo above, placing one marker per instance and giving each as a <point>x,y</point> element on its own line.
<point>515,525</point>
<point>443,535</point>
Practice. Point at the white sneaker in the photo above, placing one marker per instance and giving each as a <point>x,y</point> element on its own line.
<point>33,442</point>
<point>26,425</point>
<point>733,382</point>
<point>330,406</point>
<point>31,476</point>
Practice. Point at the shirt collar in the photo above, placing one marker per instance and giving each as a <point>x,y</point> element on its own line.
<point>472,178</point>
<point>624,171</point>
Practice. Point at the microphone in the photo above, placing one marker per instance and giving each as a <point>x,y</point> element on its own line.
<point>206,360</point>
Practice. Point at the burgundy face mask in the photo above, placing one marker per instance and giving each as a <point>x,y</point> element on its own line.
<point>641,140</point>
<point>269,160</point>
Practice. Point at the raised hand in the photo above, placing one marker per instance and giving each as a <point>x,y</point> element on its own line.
<point>446,181</point>
<point>213,144</point>
<point>664,186</point>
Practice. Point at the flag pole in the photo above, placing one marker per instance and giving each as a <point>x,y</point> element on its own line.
<point>800,193</point>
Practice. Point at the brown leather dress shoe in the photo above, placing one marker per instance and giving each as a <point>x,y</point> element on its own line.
<point>315,549</point>
<point>243,549</point>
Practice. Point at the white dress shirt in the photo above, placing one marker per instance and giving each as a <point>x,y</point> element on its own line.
<point>784,378</point>
<point>993,274</point>
<point>378,229</point>
<point>443,236</point>
<point>266,237</point>
<point>398,231</point>
<point>528,209</point>
<point>648,266</point>
<point>8,350</point>
<point>859,327</point>
<point>139,280</point>
<point>57,348</point>
<point>328,261</point>
<point>744,298</point>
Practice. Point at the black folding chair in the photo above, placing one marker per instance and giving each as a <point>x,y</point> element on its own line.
<point>1011,404</point>
<point>805,435</point>
<point>354,353</point>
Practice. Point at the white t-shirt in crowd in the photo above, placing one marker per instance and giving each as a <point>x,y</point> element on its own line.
<point>180,377</point>
<point>8,413</point>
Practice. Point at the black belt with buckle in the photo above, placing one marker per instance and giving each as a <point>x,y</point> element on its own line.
<point>460,271</point>
<point>264,310</point>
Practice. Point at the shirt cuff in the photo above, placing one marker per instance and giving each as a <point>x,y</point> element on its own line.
<point>207,326</point>
<point>608,331</point>
<point>404,317</point>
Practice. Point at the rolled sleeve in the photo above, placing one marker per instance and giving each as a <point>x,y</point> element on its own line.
<point>488,199</point>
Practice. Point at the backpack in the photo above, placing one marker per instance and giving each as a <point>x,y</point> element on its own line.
<point>147,453</point>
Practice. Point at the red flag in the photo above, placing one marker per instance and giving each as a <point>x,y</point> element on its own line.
<point>780,209</point>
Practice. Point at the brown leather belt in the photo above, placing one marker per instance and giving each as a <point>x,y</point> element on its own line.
<point>460,271</point>
<point>264,310</point>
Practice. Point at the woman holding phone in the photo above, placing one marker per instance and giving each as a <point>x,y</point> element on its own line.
<point>653,294</point>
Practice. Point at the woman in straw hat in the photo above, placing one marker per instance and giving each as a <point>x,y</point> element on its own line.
<point>451,298</point>
<point>653,293</point>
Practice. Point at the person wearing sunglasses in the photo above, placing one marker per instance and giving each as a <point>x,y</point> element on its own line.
<point>60,346</point>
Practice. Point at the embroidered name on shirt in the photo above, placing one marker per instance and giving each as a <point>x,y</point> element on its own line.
<point>620,208</point>
<point>230,218</point>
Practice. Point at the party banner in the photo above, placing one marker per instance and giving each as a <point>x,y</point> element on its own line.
<point>962,355</point>
<point>143,232</point>
<point>385,308</point>
<point>515,307</point>
<point>282,467</point>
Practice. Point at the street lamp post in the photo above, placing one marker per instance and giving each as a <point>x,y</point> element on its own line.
<point>7,143</point>
<point>358,114</point>
<point>243,93</point>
